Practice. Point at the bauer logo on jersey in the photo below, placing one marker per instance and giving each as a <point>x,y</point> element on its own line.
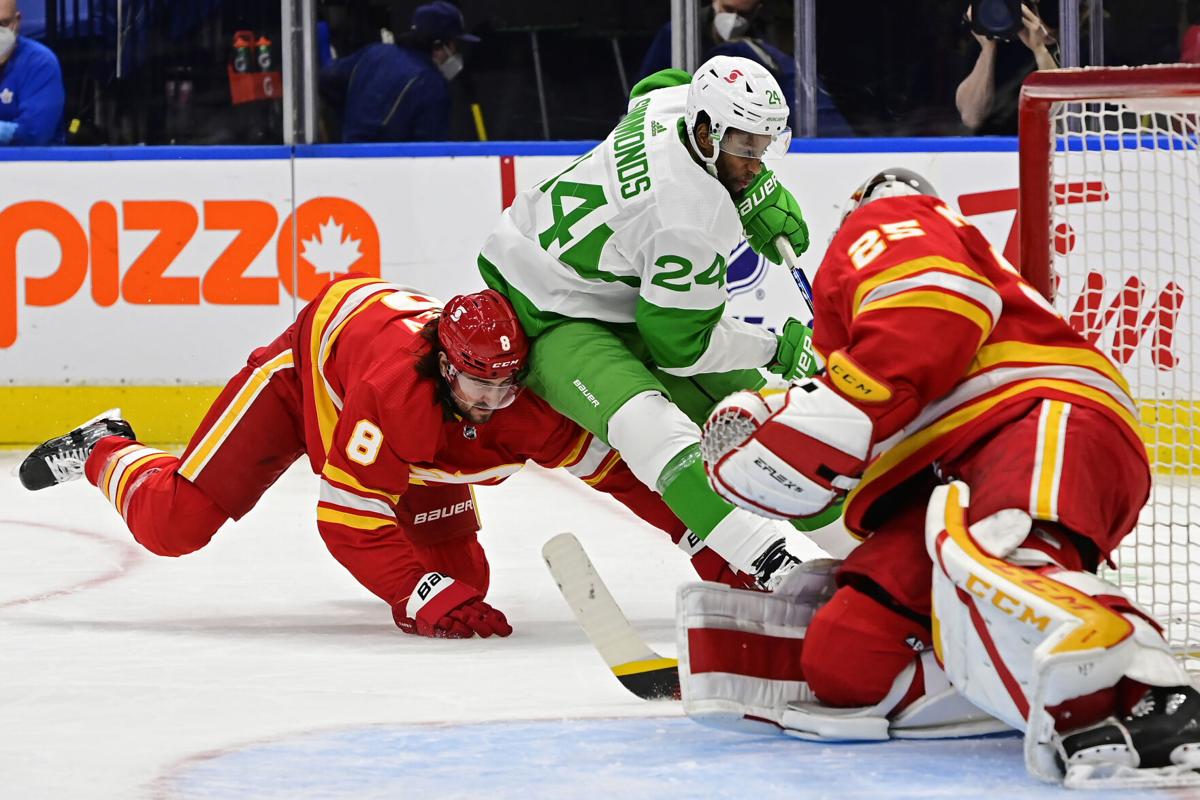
<point>443,512</point>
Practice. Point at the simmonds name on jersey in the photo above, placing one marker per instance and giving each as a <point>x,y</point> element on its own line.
<point>634,219</point>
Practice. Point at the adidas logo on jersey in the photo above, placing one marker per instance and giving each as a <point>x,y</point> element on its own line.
<point>656,128</point>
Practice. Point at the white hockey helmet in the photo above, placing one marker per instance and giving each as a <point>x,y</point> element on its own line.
<point>737,93</point>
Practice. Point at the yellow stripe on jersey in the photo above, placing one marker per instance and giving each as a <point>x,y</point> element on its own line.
<point>912,268</point>
<point>322,341</point>
<point>574,455</point>
<point>613,459</point>
<point>1006,352</point>
<point>362,522</point>
<point>422,475</point>
<point>118,497</point>
<point>938,301</point>
<point>220,430</point>
<point>111,466</point>
<point>893,457</point>
<point>346,479</point>
<point>1048,462</point>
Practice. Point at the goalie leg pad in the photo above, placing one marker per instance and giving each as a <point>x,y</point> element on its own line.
<point>1014,641</point>
<point>740,652</point>
<point>937,712</point>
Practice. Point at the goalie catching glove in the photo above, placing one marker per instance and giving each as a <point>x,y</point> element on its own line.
<point>787,460</point>
<point>444,608</point>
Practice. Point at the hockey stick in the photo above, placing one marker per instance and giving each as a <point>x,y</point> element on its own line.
<point>793,264</point>
<point>638,668</point>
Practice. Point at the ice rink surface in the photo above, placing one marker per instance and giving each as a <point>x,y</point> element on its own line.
<point>258,668</point>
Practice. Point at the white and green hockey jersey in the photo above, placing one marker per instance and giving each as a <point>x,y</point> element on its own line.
<point>635,231</point>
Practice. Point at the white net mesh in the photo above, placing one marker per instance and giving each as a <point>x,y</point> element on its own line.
<point>724,431</point>
<point>1125,241</point>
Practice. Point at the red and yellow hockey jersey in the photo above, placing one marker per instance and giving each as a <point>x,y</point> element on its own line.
<point>927,329</point>
<point>374,426</point>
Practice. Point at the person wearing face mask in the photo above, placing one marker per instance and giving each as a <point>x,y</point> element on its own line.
<point>734,28</point>
<point>400,92</point>
<point>31,86</point>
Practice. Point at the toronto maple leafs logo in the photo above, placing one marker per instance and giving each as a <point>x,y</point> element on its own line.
<point>330,250</point>
<point>6,97</point>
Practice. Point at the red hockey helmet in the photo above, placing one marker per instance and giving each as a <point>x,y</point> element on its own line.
<point>482,337</point>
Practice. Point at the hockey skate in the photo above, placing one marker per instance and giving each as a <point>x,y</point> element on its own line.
<point>1157,744</point>
<point>772,568</point>
<point>61,459</point>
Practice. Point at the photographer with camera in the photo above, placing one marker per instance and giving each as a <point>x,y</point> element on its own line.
<point>987,97</point>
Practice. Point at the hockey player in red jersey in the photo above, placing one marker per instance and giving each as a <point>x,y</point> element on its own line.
<point>992,461</point>
<point>400,407</point>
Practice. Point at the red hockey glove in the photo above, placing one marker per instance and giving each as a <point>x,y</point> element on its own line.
<point>448,609</point>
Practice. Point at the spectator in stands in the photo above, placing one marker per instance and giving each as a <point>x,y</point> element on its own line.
<point>399,92</point>
<point>987,97</point>
<point>735,28</point>
<point>1189,48</point>
<point>31,86</point>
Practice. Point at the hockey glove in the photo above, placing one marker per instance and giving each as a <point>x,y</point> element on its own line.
<point>794,357</point>
<point>448,609</point>
<point>794,462</point>
<point>768,210</point>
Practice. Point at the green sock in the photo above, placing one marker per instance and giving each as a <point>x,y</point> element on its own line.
<point>831,514</point>
<point>685,490</point>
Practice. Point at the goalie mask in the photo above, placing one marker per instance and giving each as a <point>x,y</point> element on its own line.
<point>747,112</point>
<point>485,350</point>
<point>891,182</point>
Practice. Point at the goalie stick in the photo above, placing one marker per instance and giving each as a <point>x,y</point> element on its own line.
<point>638,668</point>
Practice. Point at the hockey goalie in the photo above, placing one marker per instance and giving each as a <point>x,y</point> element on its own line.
<point>990,461</point>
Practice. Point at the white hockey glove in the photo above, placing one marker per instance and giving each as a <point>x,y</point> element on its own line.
<point>794,462</point>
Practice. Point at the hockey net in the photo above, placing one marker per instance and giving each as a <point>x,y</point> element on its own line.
<point>1110,232</point>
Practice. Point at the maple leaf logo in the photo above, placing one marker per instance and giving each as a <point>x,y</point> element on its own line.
<point>331,251</point>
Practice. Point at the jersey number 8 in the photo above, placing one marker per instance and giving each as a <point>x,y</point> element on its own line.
<point>364,444</point>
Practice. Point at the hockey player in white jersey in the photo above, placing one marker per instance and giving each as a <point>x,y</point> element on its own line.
<point>616,267</point>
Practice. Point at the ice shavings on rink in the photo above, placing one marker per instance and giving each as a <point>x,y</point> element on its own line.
<point>613,759</point>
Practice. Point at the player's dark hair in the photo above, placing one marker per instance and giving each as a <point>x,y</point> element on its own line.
<point>429,366</point>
